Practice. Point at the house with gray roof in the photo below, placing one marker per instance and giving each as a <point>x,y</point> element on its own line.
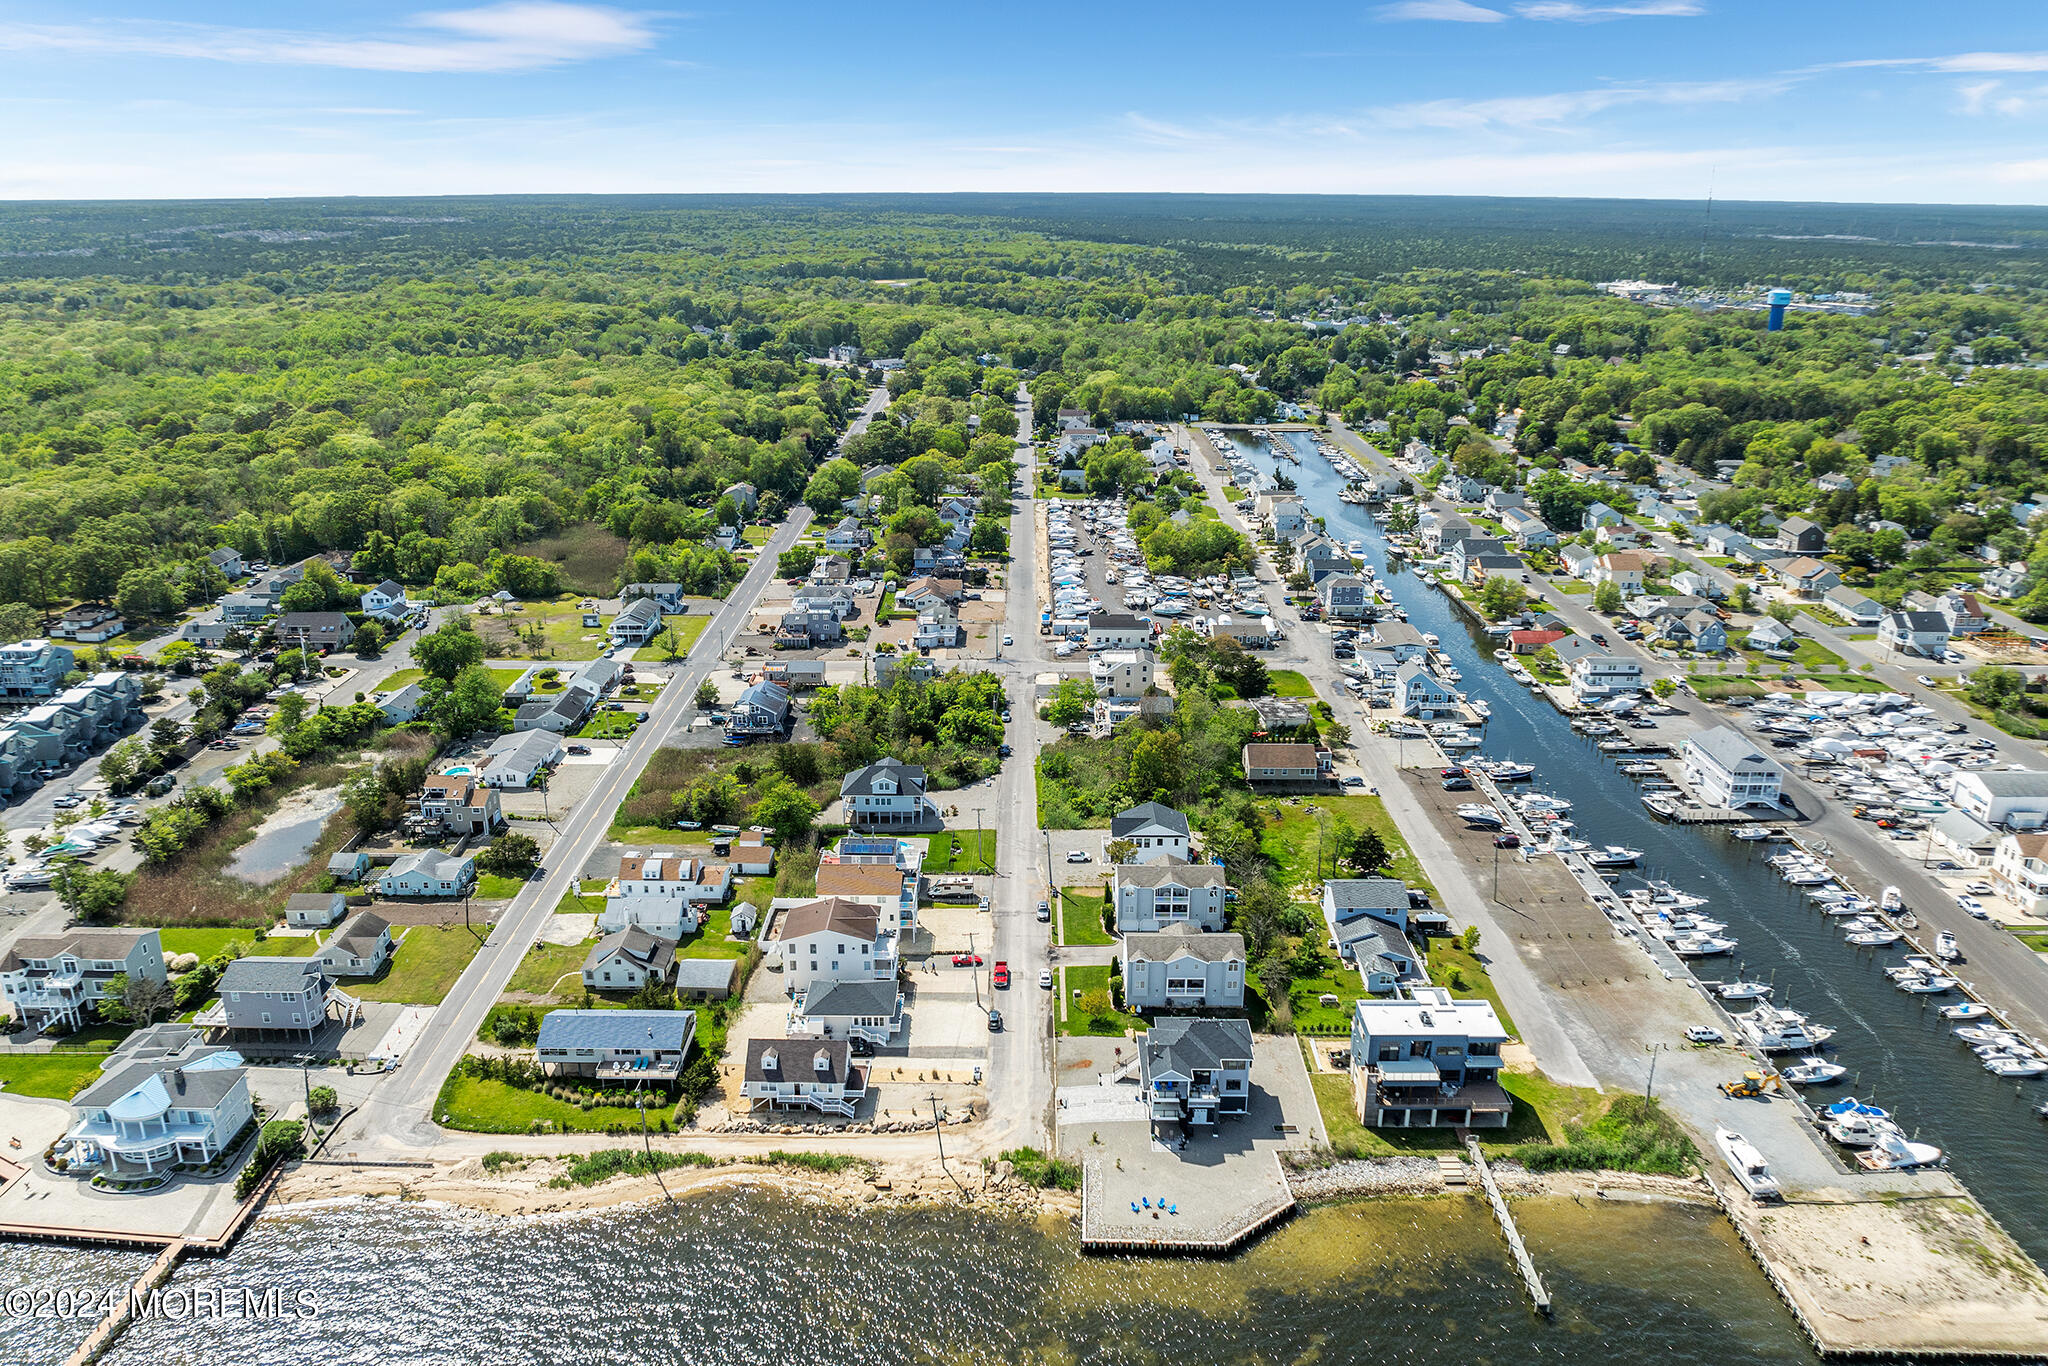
<point>888,794</point>
<point>1194,1070</point>
<point>616,1045</point>
<point>1382,900</point>
<point>1181,968</point>
<point>271,997</point>
<point>56,981</point>
<point>628,959</point>
<point>517,760</point>
<point>429,873</point>
<point>802,1073</point>
<point>359,948</point>
<point>158,1110</point>
<point>1382,955</point>
<point>1170,891</point>
<point>762,709</point>
<point>560,713</point>
<point>1726,768</point>
<point>869,1011</point>
<point>1155,830</point>
<point>316,910</point>
<point>712,979</point>
<point>638,622</point>
<point>404,705</point>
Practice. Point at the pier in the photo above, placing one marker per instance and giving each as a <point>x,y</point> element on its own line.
<point>1524,1263</point>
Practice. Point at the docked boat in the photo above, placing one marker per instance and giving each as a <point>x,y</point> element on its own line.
<point>1946,948</point>
<point>1640,768</point>
<point>1857,1126</point>
<point>2016,1066</point>
<point>1743,991</point>
<point>1895,1152</point>
<point>1507,771</point>
<point>1702,945</point>
<point>1614,856</point>
<point>1664,896</point>
<point>1543,804</point>
<point>1925,983</point>
<point>1660,805</point>
<point>1776,1029</point>
<point>1745,833</point>
<point>1814,1072</point>
<point>1503,656</point>
<point>1966,1010</point>
<point>1892,900</point>
<point>1875,939</point>
<point>1748,1165</point>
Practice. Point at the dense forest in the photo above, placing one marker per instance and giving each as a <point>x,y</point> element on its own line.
<point>436,387</point>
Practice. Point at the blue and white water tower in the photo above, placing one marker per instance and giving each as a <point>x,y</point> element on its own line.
<point>1778,299</point>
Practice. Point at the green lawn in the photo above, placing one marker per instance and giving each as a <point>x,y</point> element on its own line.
<point>2037,940</point>
<point>1542,1110</point>
<point>1290,840</point>
<point>1312,1017</point>
<point>609,725</point>
<point>209,941</point>
<point>423,966</point>
<point>1081,916</point>
<point>961,851</point>
<point>54,1076</point>
<point>542,972</point>
<point>1289,683</point>
<point>756,535</point>
<point>504,678</point>
<point>540,630</point>
<point>479,1106</point>
<point>1457,968</point>
<point>498,887</point>
<point>1083,980</point>
<point>1572,588</point>
<point>1821,612</point>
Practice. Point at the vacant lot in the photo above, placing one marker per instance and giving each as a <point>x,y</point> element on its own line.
<point>1296,837</point>
<point>423,967</point>
<point>53,1076</point>
<point>588,556</point>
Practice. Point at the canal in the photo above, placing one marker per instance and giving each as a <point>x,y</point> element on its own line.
<point>1899,1052</point>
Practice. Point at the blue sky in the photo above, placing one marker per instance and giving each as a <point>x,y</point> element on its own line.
<point>1813,99</point>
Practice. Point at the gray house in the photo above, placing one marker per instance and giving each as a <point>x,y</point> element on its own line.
<point>271,996</point>
<point>616,1045</point>
<point>1180,968</point>
<point>628,959</point>
<point>1194,1070</point>
<point>1155,896</point>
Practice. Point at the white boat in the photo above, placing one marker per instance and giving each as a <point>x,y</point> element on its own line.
<point>1659,805</point>
<point>1614,856</point>
<point>1946,948</point>
<point>1702,945</point>
<point>1474,814</point>
<point>1666,924</point>
<point>1507,771</point>
<point>1503,655</point>
<point>1965,1010</point>
<point>1543,804</point>
<point>1813,1072</point>
<point>2016,1066</point>
<point>1892,900</point>
<point>1925,983</point>
<point>1663,895</point>
<point>1857,1130</point>
<point>1745,833</point>
<point>1747,1164</point>
<point>1895,1152</point>
<point>1875,939</point>
<point>1775,1029</point>
<point>1743,991</point>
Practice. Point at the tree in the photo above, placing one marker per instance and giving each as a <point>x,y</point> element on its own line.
<point>707,696</point>
<point>1996,687</point>
<point>1663,687</point>
<point>165,736</point>
<point>835,482</point>
<point>510,855</point>
<point>145,998</point>
<point>1368,852</point>
<point>785,808</point>
<point>669,640</point>
<point>447,651</point>
<point>369,638</point>
<point>1607,598</point>
<point>323,1100</point>
<point>1072,702</point>
<point>470,704</point>
<point>89,895</point>
<point>1738,599</point>
<point>1501,597</point>
<point>796,563</point>
<point>1782,612</point>
<point>1118,851</point>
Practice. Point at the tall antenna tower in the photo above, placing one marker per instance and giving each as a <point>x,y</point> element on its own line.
<point>1707,218</point>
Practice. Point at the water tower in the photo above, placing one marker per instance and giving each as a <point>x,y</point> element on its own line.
<point>1778,299</point>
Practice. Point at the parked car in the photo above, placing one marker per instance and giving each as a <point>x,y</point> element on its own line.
<point>1703,1034</point>
<point>1353,780</point>
<point>1045,910</point>
<point>579,749</point>
<point>1077,856</point>
<point>1002,751</point>
<point>1924,681</point>
<point>1001,974</point>
<point>1507,839</point>
<point>966,960</point>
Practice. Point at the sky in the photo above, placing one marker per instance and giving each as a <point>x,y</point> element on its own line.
<point>1877,100</point>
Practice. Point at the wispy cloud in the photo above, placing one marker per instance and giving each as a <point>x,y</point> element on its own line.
<point>1566,106</point>
<point>1448,11</point>
<point>1961,62</point>
<point>520,35</point>
<point>1571,12</point>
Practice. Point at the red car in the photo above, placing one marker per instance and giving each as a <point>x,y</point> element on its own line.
<point>1002,973</point>
<point>966,960</point>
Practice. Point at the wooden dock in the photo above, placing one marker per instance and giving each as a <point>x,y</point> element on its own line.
<point>108,1329</point>
<point>1524,1263</point>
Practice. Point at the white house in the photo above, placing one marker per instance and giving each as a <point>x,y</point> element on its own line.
<point>1418,691</point>
<point>848,537</point>
<point>1121,673</point>
<point>1623,569</point>
<point>174,1103</point>
<point>1597,516</point>
<point>404,705</point>
<point>888,794</point>
<point>663,894</point>
<point>616,1045</point>
<point>751,854</point>
<point>2019,865</point>
<point>429,873</point>
<point>387,601</point>
<point>833,939</point>
<point>2003,797</point>
<point>1193,1071</point>
<point>1915,633</point>
<point>1853,606</point>
<point>1118,631</point>
<point>55,980</point>
<point>314,910</point>
<point>359,948</point>
<point>1344,597</point>
<point>1528,529</point>
<point>1180,968</point>
<point>518,760</point>
<point>1771,634</point>
<point>638,622</point>
<point>1169,891</point>
<point>1579,560</point>
<point>1599,675</point>
<point>799,1073</point>
<point>1724,767</point>
<point>870,1011</point>
<point>1156,831</point>
<point>1422,1059</point>
<point>628,959</point>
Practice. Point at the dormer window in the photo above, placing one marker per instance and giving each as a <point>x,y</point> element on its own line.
<point>768,1061</point>
<point>821,1062</point>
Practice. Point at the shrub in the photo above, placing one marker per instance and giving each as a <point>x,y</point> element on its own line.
<point>1035,1168</point>
<point>281,1140</point>
<point>1633,1136</point>
<point>323,1100</point>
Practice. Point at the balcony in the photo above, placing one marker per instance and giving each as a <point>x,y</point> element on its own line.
<point>640,1069</point>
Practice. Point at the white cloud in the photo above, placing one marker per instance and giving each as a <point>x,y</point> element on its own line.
<point>1990,61</point>
<point>1570,11</point>
<point>1450,11</point>
<point>1565,106</point>
<point>519,35</point>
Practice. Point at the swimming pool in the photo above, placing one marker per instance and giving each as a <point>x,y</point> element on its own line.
<point>458,769</point>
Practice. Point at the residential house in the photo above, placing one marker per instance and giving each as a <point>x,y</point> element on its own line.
<point>1396,642</point>
<point>1500,502</point>
<point>269,996</point>
<point>1118,631</point>
<point>1725,768</point>
<point>1446,532</point>
<point>1283,515</point>
<point>1915,633</point>
<point>1193,1070</point>
<point>1254,633</point>
<point>1383,957</point>
<point>1806,576</point>
<point>458,804</point>
<point>228,561</point>
<point>1155,832</point>
<point>1623,569</point>
<point>638,622</point>
<point>315,631</point>
<point>828,598</point>
<point>34,668</point>
<point>628,959</point>
<point>1601,675</point>
<point>1853,607</point>
<point>792,674</point>
<point>664,894</point>
<point>404,705</point>
<point>832,939</point>
<point>926,592</point>
<point>745,495</point>
<point>814,1074</point>
<point>1423,1059</point>
<point>1344,597</point>
<point>869,1011</point>
<point>803,630</point>
<point>247,609</point>
<point>429,873</point>
<point>2019,868</point>
<point>751,855</point>
<point>1320,557</point>
<point>888,794</point>
<point>386,601</point>
<point>938,629</point>
<point>1285,765</point>
<point>616,1045</point>
<point>1723,541</point>
<point>1171,891</point>
<point>711,979</point>
<point>1579,561</point>
<point>315,910</point>
<point>1528,530</point>
<point>1959,608</point>
<point>519,760</point>
<point>351,865</point>
<point>1599,515</point>
<point>89,624</point>
<point>1181,968</point>
<point>669,597</point>
<point>848,537</point>
<point>164,1101</point>
<point>1963,838</point>
<point>1528,642</point>
<point>359,948</point>
<point>1418,692</point>
<point>1121,673</point>
<point>1708,635</point>
<point>1797,536</point>
<point>1771,634</point>
<point>57,981</point>
<point>2006,581</point>
<point>1695,584</point>
<point>559,713</point>
<point>210,634</point>
<point>763,709</point>
<point>1358,905</point>
<point>2002,797</point>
